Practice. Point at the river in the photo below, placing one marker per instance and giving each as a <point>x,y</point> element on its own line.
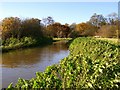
<point>25,62</point>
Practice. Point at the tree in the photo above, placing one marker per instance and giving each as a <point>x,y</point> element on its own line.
<point>81,27</point>
<point>86,29</point>
<point>47,21</point>
<point>11,27</point>
<point>53,29</point>
<point>108,31</point>
<point>97,20</point>
<point>73,32</point>
<point>58,30</point>
<point>0,29</point>
<point>72,27</point>
<point>31,28</point>
<point>64,31</point>
<point>113,18</point>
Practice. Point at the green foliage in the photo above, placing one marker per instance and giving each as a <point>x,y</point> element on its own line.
<point>14,43</point>
<point>91,64</point>
<point>100,63</point>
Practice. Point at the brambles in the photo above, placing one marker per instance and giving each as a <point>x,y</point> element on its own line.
<point>91,64</point>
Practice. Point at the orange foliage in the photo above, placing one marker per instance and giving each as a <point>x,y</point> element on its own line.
<point>58,30</point>
<point>11,27</point>
<point>86,29</point>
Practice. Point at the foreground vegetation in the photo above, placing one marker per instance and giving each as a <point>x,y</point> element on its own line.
<point>92,64</point>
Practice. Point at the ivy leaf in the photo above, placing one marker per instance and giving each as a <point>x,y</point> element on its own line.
<point>90,85</point>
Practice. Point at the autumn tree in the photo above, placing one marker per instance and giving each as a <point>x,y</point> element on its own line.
<point>73,32</point>
<point>11,27</point>
<point>86,29</point>
<point>45,23</point>
<point>72,26</point>
<point>64,31</point>
<point>53,29</point>
<point>0,29</point>
<point>81,27</point>
<point>31,28</point>
<point>58,30</point>
<point>108,31</point>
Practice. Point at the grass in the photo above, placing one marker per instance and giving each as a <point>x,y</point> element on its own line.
<point>115,40</point>
<point>59,39</point>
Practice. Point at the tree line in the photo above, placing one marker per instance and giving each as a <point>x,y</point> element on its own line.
<point>98,25</point>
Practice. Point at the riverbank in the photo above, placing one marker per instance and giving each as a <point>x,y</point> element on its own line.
<point>111,40</point>
<point>61,39</point>
<point>28,42</point>
<point>25,42</point>
<point>91,64</point>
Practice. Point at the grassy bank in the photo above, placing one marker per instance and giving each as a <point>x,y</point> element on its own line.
<point>60,39</point>
<point>91,64</point>
<point>111,40</point>
<point>25,42</point>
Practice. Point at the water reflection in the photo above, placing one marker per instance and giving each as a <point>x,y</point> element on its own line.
<point>24,63</point>
<point>19,58</point>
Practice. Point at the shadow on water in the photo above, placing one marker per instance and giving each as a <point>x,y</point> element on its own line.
<point>24,63</point>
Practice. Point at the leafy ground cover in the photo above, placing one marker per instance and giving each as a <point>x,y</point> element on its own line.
<point>92,64</point>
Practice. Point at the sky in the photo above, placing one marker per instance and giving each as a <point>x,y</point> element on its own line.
<point>63,12</point>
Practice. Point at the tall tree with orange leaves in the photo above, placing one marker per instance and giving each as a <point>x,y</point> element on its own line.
<point>11,27</point>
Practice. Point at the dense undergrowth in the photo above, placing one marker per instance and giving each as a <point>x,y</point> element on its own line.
<point>14,43</point>
<point>92,64</point>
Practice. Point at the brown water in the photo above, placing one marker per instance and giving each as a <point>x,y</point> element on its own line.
<point>24,63</point>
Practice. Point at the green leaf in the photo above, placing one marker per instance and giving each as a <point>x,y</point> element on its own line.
<point>90,85</point>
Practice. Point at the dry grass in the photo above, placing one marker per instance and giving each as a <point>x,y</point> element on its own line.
<point>112,40</point>
<point>58,39</point>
